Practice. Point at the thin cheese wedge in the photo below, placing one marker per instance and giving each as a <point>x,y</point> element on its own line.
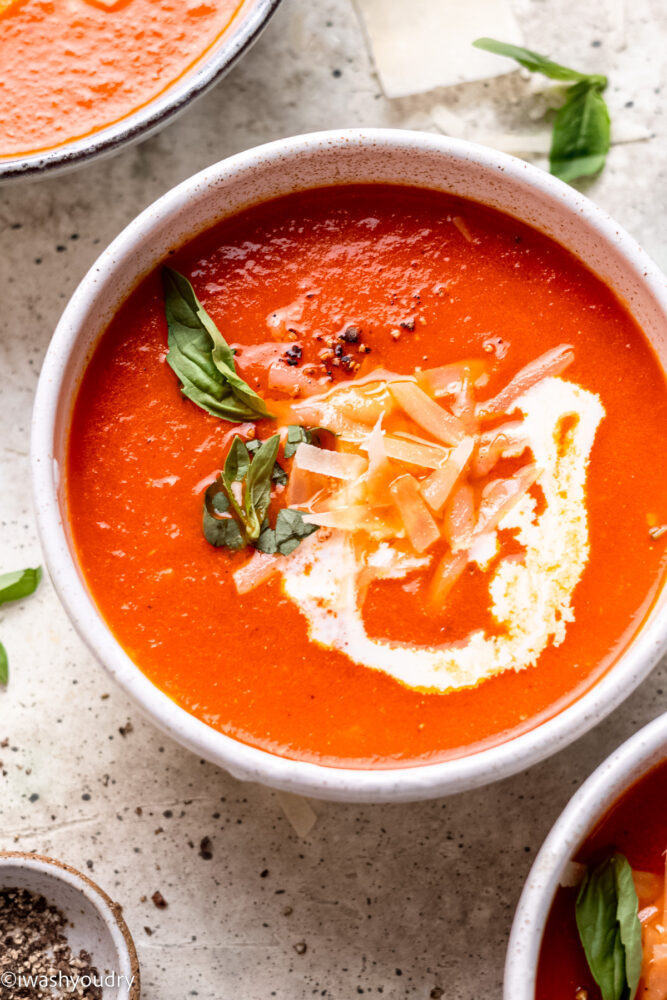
<point>418,45</point>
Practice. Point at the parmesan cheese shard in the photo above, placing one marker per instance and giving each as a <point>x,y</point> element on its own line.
<point>527,145</point>
<point>446,575</point>
<point>417,519</point>
<point>418,45</point>
<point>427,413</point>
<point>448,380</point>
<point>336,464</point>
<point>414,451</point>
<point>259,568</point>
<point>552,363</point>
<point>438,486</point>
<point>298,811</point>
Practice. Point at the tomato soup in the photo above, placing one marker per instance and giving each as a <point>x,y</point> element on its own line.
<point>71,69</point>
<point>462,527</point>
<point>637,827</point>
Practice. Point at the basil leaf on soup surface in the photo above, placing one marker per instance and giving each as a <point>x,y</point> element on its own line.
<point>609,928</point>
<point>289,532</point>
<point>223,531</point>
<point>296,434</point>
<point>258,485</point>
<point>202,358</point>
<point>291,529</point>
<point>4,666</point>
<point>581,131</point>
<point>278,475</point>
<point>220,527</point>
<point>581,135</point>
<point>236,504</point>
<point>22,583</point>
<point>267,539</point>
<point>237,462</point>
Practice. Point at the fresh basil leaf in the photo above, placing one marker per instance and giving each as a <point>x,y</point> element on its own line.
<point>237,462</point>
<point>223,531</point>
<point>278,475</point>
<point>296,434</point>
<point>630,926</point>
<point>4,666</point>
<point>254,464</point>
<point>22,583</point>
<point>258,485</point>
<point>202,358</point>
<point>581,131</point>
<point>535,62</point>
<point>291,529</point>
<point>215,498</point>
<point>581,134</point>
<point>267,539</point>
<point>609,928</point>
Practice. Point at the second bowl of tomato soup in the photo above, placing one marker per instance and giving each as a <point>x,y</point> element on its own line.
<point>592,920</point>
<point>348,459</point>
<point>83,78</point>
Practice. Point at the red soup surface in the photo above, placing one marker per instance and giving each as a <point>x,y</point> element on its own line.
<point>72,68</point>
<point>422,279</point>
<point>637,827</point>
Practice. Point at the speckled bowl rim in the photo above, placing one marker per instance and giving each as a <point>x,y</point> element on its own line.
<point>586,808</point>
<point>244,31</point>
<point>248,762</point>
<point>110,912</point>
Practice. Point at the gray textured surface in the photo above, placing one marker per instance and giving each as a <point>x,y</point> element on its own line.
<point>390,900</point>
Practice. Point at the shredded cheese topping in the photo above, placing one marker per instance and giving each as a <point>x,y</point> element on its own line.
<point>423,478</point>
<point>531,596</point>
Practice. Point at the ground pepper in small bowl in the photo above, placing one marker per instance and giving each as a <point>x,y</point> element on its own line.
<point>60,935</point>
<point>36,951</point>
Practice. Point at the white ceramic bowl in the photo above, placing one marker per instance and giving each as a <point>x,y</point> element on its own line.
<point>581,815</point>
<point>94,922</point>
<point>237,38</point>
<point>280,167</point>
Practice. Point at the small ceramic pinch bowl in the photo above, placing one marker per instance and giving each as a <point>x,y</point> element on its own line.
<point>94,923</point>
<point>587,807</point>
<point>244,29</point>
<point>330,158</point>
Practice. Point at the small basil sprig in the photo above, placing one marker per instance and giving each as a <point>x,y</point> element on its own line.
<point>202,358</point>
<point>235,505</point>
<point>289,532</point>
<point>296,434</point>
<point>278,475</point>
<point>581,128</point>
<point>609,928</point>
<point>21,583</point>
<point>245,507</point>
<point>14,586</point>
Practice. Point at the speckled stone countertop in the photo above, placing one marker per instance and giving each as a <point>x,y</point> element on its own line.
<point>398,901</point>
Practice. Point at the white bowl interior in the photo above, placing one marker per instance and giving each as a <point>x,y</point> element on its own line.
<point>92,924</point>
<point>635,758</point>
<point>375,156</point>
